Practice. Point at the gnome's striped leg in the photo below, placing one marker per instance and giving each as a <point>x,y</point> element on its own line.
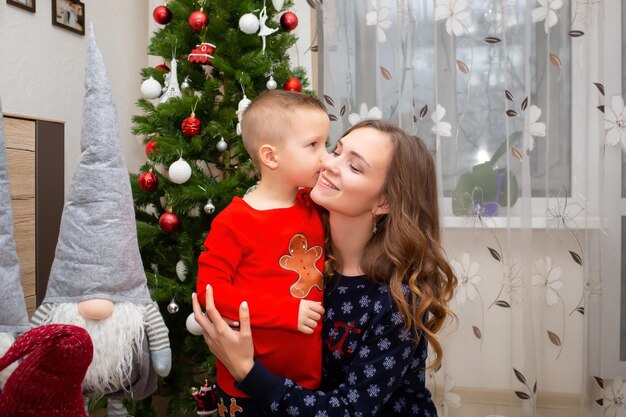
<point>115,408</point>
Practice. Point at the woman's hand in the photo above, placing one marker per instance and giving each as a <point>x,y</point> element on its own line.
<point>233,348</point>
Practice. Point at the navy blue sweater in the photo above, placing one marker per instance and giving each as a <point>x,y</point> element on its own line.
<point>372,365</point>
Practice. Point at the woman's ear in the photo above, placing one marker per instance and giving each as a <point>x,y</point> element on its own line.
<point>382,207</point>
<point>268,157</point>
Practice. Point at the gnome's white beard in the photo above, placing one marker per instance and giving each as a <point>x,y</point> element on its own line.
<point>116,341</point>
<point>6,340</point>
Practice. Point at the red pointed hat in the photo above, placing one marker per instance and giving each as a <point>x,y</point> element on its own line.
<point>49,379</point>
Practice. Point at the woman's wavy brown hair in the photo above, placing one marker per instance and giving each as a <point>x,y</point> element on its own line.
<point>406,248</point>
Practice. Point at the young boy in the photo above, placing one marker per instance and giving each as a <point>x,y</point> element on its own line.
<point>267,247</point>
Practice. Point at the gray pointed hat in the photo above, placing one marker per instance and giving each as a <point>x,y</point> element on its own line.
<point>13,317</point>
<point>97,255</point>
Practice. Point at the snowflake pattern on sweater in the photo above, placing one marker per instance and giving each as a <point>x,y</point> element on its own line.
<point>372,365</point>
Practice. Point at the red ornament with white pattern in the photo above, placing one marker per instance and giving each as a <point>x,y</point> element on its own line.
<point>148,181</point>
<point>202,54</point>
<point>198,20</point>
<point>293,84</point>
<point>191,126</point>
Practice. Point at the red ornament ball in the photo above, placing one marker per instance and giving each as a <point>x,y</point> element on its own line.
<point>191,126</point>
<point>162,67</point>
<point>198,20</point>
<point>289,21</point>
<point>162,15</point>
<point>150,147</point>
<point>169,222</point>
<point>293,84</point>
<point>148,181</point>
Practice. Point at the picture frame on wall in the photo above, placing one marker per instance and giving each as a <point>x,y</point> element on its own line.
<point>29,5</point>
<point>69,15</point>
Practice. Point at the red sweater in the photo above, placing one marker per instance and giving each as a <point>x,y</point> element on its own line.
<point>271,259</point>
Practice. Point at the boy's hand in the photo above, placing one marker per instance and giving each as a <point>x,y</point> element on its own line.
<point>308,315</point>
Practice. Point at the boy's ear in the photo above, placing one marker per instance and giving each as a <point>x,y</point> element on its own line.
<point>268,156</point>
<point>382,207</point>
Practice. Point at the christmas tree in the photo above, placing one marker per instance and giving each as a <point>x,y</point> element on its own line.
<point>217,55</point>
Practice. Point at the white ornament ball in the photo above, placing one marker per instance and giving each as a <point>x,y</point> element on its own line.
<point>192,326</point>
<point>249,23</point>
<point>278,4</point>
<point>271,84</point>
<point>185,84</point>
<point>151,88</point>
<point>221,145</point>
<point>181,271</point>
<point>180,171</point>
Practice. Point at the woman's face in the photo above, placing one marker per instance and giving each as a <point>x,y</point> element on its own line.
<point>352,176</point>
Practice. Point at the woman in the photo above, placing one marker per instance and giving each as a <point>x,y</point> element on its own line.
<point>387,290</point>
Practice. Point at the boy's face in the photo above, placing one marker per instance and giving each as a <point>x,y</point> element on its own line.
<point>303,147</point>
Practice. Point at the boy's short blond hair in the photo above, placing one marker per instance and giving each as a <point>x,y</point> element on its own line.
<point>269,116</point>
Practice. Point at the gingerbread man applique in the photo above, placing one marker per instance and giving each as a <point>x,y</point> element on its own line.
<point>232,410</point>
<point>301,260</point>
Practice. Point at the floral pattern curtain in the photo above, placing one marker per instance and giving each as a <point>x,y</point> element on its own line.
<point>520,103</point>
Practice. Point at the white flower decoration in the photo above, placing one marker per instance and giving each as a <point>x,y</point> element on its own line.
<point>467,274</point>
<point>615,397</point>
<point>615,122</point>
<point>547,11</point>
<point>450,399</point>
<point>535,128</point>
<point>379,17</point>
<point>455,12</point>
<point>440,128</point>
<point>549,278</point>
<point>373,113</point>
<point>512,283</point>
<point>564,211</point>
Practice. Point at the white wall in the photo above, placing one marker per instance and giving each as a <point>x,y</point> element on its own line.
<point>42,67</point>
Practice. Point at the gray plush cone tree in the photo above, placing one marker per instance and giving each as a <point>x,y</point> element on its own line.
<point>97,255</point>
<point>13,317</point>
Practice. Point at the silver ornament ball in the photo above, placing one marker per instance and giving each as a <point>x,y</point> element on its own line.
<point>271,84</point>
<point>222,145</point>
<point>209,207</point>
<point>172,307</point>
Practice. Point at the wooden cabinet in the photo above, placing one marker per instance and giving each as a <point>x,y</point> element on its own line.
<point>35,153</point>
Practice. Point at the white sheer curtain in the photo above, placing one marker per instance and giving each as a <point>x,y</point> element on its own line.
<point>512,97</point>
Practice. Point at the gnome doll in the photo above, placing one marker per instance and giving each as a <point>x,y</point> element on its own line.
<point>97,280</point>
<point>13,317</point>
